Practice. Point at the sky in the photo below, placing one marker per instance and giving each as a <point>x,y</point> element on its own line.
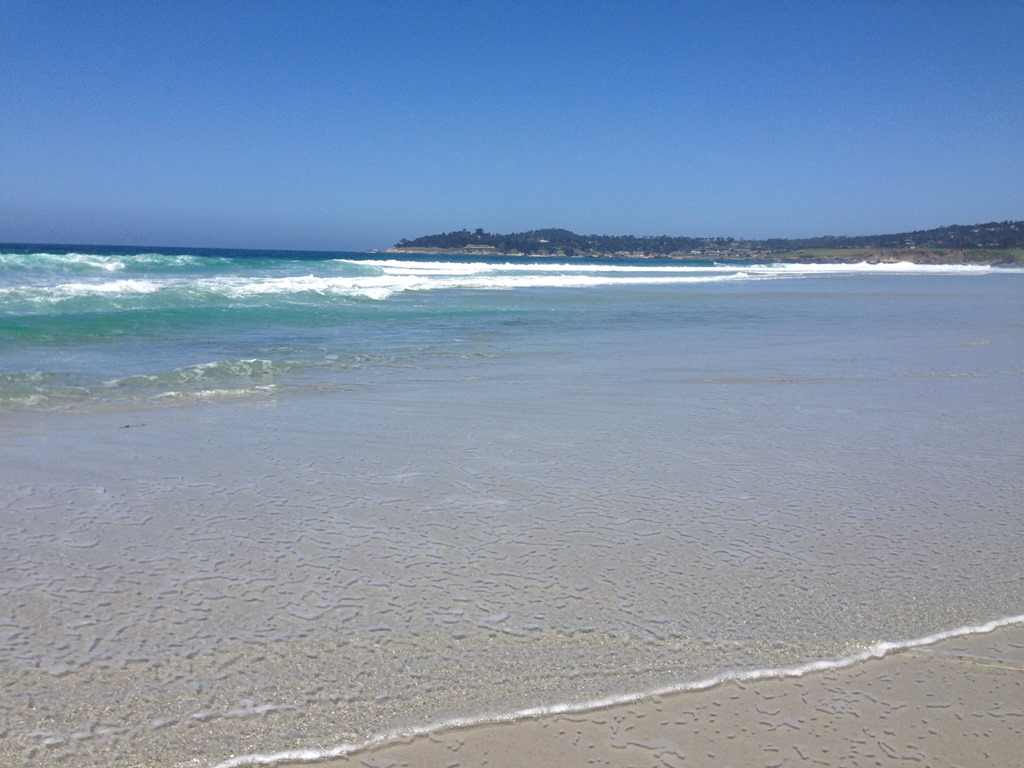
<point>351,125</point>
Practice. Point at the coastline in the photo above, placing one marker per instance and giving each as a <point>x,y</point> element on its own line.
<point>971,256</point>
<point>989,243</point>
<point>955,698</point>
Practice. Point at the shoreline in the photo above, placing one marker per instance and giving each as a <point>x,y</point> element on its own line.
<point>888,703</point>
<point>958,257</point>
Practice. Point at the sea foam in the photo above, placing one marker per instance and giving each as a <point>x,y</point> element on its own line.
<point>876,650</point>
<point>379,280</point>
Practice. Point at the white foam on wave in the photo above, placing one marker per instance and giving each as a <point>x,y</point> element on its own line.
<point>395,276</point>
<point>399,266</point>
<point>875,651</point>
<point>45,295</point>
<point>98,261</point>
<point>210,394</point>
<point>467,268</point>
<point>247,366</point>
<point>381,287</point>
<point>88,260</point>
<point>898,267</point>
<point>371,287</point>
<point>105,263</point>
<point>131,286</point>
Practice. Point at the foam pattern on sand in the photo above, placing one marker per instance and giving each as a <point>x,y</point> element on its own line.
<point>660,746</point>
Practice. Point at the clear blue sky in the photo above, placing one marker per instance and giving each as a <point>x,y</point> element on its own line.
<point>350,125</point>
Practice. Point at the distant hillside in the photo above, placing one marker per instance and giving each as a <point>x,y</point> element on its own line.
<point>995,242</point>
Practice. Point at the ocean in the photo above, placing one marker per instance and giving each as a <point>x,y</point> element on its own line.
<point>263,504</point>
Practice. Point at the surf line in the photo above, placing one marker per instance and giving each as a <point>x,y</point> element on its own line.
<point>874,651</point>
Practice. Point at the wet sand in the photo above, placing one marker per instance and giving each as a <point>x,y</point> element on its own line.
<point>959,702</point>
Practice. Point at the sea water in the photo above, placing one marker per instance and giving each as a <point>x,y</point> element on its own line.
<point>268,503</point>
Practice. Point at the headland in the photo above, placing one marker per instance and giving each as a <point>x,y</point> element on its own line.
<point>991,243</point>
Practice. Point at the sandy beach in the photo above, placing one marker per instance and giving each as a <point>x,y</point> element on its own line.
<point>310,525</point>
<point>959,702</point>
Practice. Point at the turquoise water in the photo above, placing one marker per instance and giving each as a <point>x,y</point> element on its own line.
<point>88,325</point>
<point>259,502</point>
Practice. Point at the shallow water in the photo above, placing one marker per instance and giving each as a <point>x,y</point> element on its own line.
<point>514,498</point>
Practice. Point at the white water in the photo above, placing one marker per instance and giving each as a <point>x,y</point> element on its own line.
<point>394,276</point>
<point>875,651</point>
